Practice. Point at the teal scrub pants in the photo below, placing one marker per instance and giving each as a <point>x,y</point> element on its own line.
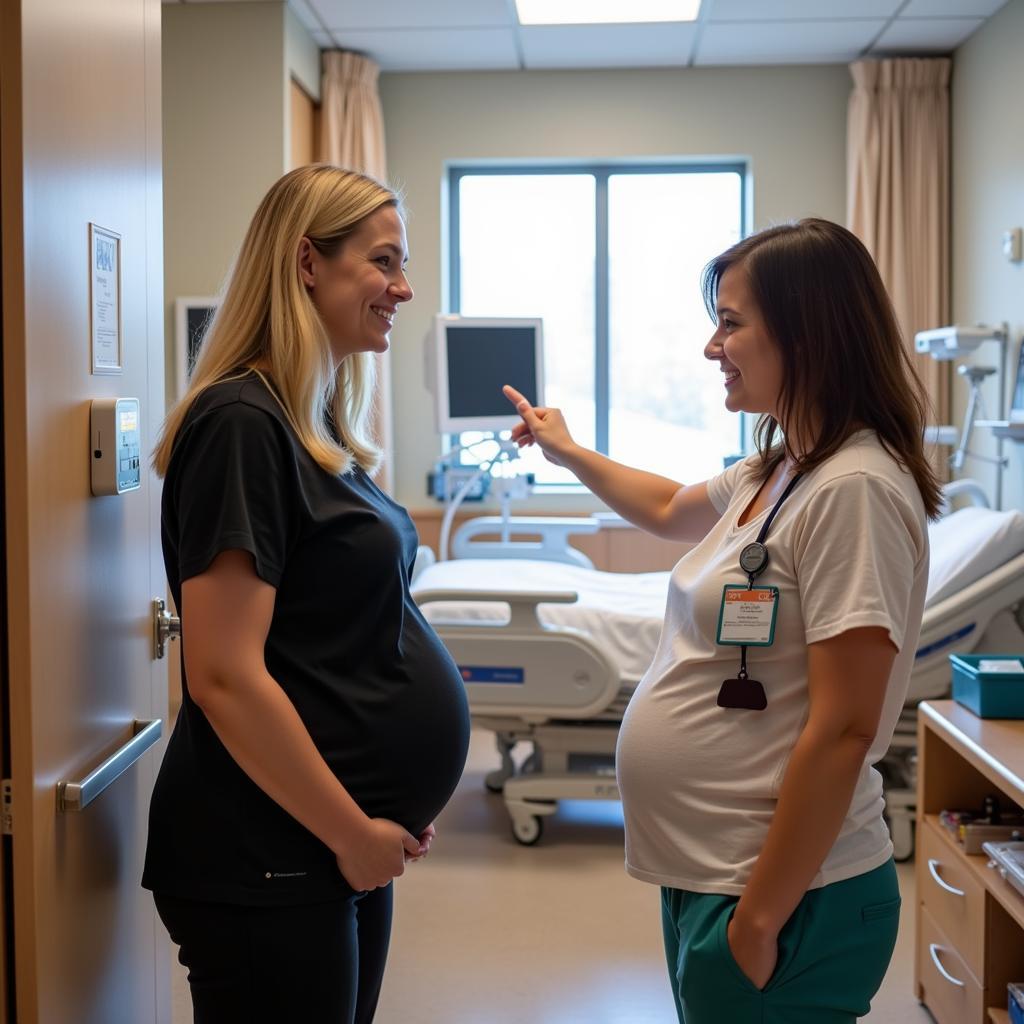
<point>833,954</point>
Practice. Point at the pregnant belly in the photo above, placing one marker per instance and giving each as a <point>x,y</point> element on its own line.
<point>697,751</point>
<point>412,750</point>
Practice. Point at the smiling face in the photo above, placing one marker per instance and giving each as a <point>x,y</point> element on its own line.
<point>358,290</point>
<point>743,347</point>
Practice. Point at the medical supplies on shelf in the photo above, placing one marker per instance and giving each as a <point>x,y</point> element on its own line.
<point>991,685</point>
<point>972,829</point>
<point>1015,1002</point>
<point>1009,861</point>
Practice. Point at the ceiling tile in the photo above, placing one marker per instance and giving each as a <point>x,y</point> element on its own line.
<point>951,8</point>
<point>800,42</point>
<point>304,13</point>
<point>607,46</point>
<point>435,49</point>
<point>399,14</point>
<point>927,35</point>
<point>799,10</point>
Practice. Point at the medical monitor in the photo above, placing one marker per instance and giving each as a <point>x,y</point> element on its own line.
<point>472,357</point>
<point>1017,402</point>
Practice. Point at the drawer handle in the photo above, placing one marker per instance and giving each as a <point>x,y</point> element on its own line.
<point>933,865</point>
<point>934,950</point>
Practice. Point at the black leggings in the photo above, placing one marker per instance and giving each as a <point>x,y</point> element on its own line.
<point>319,964</point>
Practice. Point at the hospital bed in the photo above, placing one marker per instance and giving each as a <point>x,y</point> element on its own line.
<point>551,649</point>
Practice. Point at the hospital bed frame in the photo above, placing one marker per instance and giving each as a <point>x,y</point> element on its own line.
<point>557,689</point>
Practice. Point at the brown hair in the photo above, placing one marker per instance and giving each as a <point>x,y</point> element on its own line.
<point>843,357</point>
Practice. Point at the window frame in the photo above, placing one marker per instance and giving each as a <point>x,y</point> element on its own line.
<point>601,171</point>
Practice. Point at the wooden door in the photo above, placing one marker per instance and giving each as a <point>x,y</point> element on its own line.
<point>80,145</point>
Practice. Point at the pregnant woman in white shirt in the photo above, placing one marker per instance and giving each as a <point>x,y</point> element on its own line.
<point>745,756</point>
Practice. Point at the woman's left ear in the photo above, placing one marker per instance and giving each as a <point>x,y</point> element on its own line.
<point>306,258</point>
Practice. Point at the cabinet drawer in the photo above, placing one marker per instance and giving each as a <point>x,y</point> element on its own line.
<point>948,988</point>
<point>953,897</point>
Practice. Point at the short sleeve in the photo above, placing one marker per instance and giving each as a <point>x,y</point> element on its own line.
<point>721,488</point>
<point>233,490</point>
<point>857,552</point>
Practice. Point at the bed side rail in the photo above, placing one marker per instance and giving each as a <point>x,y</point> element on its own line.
<point>522,668</point>
<point>523,603</point>
<point>958,621</point>
<point>970,489</point>
<point>553,546</point>
<point>425,558</point>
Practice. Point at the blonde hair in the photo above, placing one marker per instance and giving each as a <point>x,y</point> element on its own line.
<point>267,319</point>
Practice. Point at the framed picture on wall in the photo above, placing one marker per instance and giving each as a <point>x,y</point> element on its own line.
<point>191,318</point>
<point>107,340</point>
<point>1017,403</point>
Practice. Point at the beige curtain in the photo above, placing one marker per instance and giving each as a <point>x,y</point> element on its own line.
<point>352,136</point>
<point>897,154</point>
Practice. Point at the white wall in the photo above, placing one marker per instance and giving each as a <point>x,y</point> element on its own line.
<point>226,76</point>
<point>790,122</point>
<point>988,198</point>
<point>302,55</point>
<point>302,63</point>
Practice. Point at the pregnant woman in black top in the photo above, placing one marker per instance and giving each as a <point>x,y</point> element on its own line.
<point>323,724</point>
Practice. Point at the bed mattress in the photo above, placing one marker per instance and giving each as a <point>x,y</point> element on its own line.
<point>625,610</point>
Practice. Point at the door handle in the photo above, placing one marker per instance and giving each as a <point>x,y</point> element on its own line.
<point>73,796</point>
<point>166,627</point>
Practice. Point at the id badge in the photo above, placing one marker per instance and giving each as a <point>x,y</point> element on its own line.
<point>747,616</point>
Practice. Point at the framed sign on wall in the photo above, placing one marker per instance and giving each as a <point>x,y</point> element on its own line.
<point>105,333</point>
<point>192,316</point>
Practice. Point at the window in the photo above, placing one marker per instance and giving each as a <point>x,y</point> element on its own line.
<point>611,258</point>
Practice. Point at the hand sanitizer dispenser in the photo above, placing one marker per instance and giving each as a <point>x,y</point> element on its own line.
<point>116,454</point>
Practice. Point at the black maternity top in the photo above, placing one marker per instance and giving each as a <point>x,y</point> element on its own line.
<point>377,690</point>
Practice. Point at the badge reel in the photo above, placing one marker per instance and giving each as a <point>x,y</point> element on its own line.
<point>753,623</point>
<point>742,692</point>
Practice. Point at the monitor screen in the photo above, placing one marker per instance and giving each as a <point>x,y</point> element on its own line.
<point>481,360</point>
<point>1017,404</point>
<point>198,320</point>
<point>469,361</point>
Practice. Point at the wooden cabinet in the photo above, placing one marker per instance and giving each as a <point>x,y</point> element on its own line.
<point>945,983</point>
<point>970,922</point>
<point>952,895</point>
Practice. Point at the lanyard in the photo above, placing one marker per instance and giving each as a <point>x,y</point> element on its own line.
<point>754,557</point>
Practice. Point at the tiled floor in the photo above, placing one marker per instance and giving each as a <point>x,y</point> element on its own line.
<point>490,932</point>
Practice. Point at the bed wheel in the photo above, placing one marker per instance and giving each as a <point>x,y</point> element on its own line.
<point>901,829</point>
<point>495,781</point>
<point>903,845</point>
<point>527,831</point>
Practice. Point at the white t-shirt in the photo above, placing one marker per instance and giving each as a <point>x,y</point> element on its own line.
<point>699,783</point>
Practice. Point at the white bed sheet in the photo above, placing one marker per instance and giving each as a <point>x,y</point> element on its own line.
<point>969,544</point>
<point>625,610</point>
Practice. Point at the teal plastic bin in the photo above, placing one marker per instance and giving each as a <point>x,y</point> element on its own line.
<point>988,693</point>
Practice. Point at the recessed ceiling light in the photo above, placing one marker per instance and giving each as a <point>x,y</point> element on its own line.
<point>604,12</point>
